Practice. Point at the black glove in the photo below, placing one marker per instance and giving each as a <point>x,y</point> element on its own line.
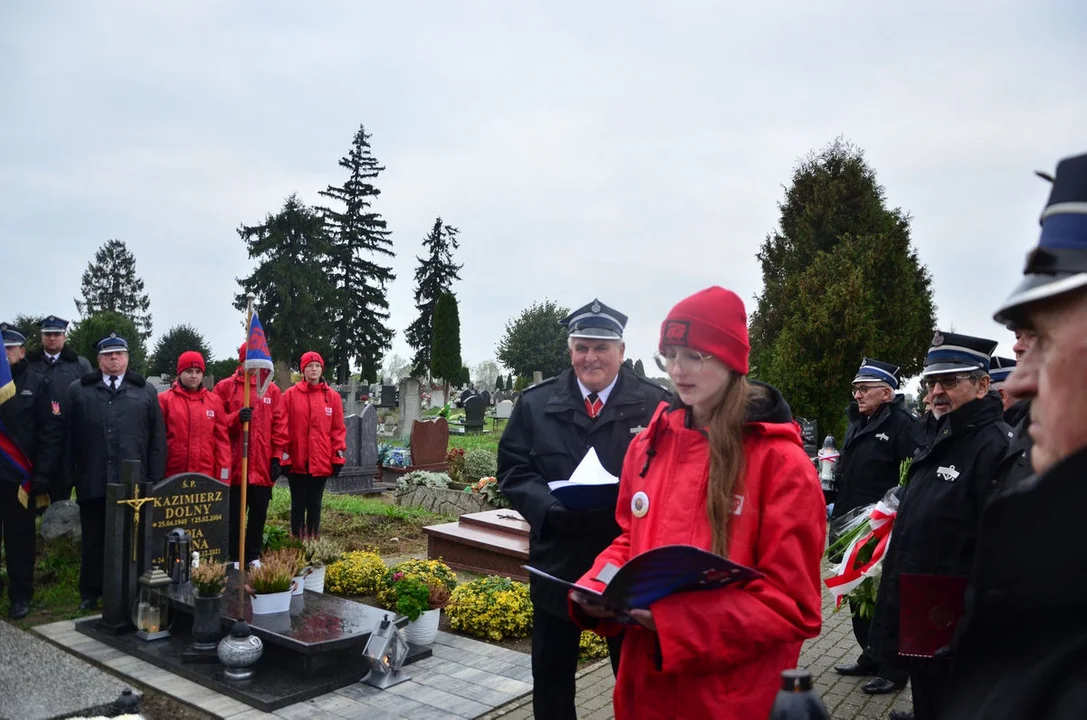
<point>336,470</point>
<point>245,415</point>
<point>275,469</point>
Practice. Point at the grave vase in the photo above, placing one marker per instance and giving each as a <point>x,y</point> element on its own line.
<point>315,581</point>
<point>206,625</point>
<point>299,582</point>
<point>424,629</point>
<point>267,603</point>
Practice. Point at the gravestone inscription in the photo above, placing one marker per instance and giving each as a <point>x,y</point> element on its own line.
<point>194,502</point>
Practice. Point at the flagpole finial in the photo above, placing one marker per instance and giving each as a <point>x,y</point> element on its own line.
<point>252,296</point>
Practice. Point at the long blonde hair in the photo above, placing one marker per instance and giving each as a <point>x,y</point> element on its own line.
<point>726,440</point>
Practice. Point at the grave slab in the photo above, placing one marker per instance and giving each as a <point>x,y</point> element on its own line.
<point>491,542</point>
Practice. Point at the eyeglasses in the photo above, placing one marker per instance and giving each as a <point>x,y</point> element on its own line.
<point>865,389</point>
<point>690,359</point>
<point>947,382</point>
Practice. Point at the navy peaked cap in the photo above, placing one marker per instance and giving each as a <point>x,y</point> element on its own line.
<point>595,320</point>
<point>951,352</point>
<point>112,344</point>
<point>877,371</point>
<point>53,324</point>
<point>1000,368</point>
<point>13,336</point>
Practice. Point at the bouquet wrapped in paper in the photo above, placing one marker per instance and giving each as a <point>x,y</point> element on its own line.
<point>859,543</point>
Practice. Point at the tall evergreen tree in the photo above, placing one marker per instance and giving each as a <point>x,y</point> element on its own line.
<point>499,383</point>
<point>445,361</point>
<point>178,339</point>
<point>841,280</point>
<point>28,324</point>
<point>110,283</point>
<point>433,276</point>
<point>359,237</point>
<point>291,282</point>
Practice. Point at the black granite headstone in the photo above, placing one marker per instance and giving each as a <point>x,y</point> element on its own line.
<point>197,503</point>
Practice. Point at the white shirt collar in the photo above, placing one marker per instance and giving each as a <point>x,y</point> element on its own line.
<point>53,358</point>
<point>106,377</point>
<point>603,394</point>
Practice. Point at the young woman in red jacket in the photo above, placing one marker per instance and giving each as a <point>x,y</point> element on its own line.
<point>721,468</point>
<point>318,441</point>
<point>267,418</point>
<point>196,431</point>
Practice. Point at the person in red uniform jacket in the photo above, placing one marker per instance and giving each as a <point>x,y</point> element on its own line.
<point>196,431</point>
<point>318,441</point>
<point>267,418</point>
<point>722,468</point>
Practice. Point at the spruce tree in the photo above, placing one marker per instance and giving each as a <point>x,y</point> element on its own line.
<point>291,282</point>
<point>110,283</point>
<point>83,340</point>
<point>178,339</point>
<point>536,341</point>
<point>359,238</point>
<point>499,383</point>
<point>841,281</point>
<point>445,361</point>
<point>433,277</point>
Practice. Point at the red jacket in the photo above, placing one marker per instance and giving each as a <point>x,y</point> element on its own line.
<point>196,436</point>
<point>318,436</point>
<point>267,428</point>
<point>718,653</point>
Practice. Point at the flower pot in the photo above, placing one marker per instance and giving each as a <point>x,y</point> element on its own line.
<point>423,630</point>
<point>264,604</point>
<point>299,583</point>
<point>206,625</point>
<point>315,581</point>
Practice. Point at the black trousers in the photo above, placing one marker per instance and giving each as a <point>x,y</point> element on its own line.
<point>306,494</point>
<point>895,672</point>
<point>257,498</point>
<point>554,663</point>
<point>92,518</point>
<point>18,533</point>
<point>928,681</point>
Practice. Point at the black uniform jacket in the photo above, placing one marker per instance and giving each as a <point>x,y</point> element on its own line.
<point>68,368</point>
<point>935,532</point>
<point>547,436</point>
<point>106,428</point>
<point>30,423</point>
<point>873,451</point>
<point>1022,649</point>
<point>1015,465</point>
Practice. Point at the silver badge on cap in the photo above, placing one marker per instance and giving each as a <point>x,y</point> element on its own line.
<point>596,307</point>
<point>937,339</point>
<point>639,504</point>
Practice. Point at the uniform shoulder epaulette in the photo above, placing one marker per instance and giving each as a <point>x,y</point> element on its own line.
<point>546,381</point>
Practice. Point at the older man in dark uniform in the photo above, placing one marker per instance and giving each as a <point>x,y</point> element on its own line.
<point>114,416</point>
<point>921,593</point>
<point>1022,648</point>
<point>881,434</point>
<point>58,362</point>
<point>598,403</point>
<point>30,445</point>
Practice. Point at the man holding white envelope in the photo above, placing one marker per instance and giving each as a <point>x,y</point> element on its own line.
<point>597,405</point>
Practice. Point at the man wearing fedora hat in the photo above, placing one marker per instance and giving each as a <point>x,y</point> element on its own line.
<point>598,403</point>
<point>1022,649</point>
<point>113,416</point>
<point>932,551</point>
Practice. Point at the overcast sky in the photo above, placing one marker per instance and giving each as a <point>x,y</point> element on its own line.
<point>631,151</point>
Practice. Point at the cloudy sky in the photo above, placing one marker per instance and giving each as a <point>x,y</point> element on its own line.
<point>631,151</point>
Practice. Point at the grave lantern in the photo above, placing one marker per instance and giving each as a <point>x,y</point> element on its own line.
<point>153,611</point>
<point>386,651</point>
<point>178,554</point>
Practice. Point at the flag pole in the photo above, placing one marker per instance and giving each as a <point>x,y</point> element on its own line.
<point>245,440</point>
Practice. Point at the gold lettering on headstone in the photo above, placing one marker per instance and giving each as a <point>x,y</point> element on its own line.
<point>190,511</point>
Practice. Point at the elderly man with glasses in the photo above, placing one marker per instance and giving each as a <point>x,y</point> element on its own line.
<point>881,434</point>
<point>921,594</point>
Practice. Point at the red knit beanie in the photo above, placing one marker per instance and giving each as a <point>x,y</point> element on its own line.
<point>190,359</point>
<point>711,321</point>
<point>309,357</point>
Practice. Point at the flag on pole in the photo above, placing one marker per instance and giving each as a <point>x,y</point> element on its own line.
<point>258,357</point>
<point>10,454</point>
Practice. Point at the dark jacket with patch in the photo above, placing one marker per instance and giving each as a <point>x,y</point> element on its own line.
<point>1022,652</point>
<point>30,423</point>
<point>872,453</point>
<point>547,436</point>
<point>107,428</point>
<point>68,368</point>
<point>935,532</point>
<point>1015,465</point>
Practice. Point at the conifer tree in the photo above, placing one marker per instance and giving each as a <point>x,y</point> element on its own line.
<point>110,284</point>
<point>359,239</point>
<point>445,360</point>
<point>433,276</point>
<point>178,339</point>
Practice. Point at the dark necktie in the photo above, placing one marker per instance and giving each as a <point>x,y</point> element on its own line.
<point>113,383</point>
<point>52,360</point>
<point>593,405</point>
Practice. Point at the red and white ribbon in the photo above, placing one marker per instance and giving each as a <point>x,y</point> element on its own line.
<point>848,575</point>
